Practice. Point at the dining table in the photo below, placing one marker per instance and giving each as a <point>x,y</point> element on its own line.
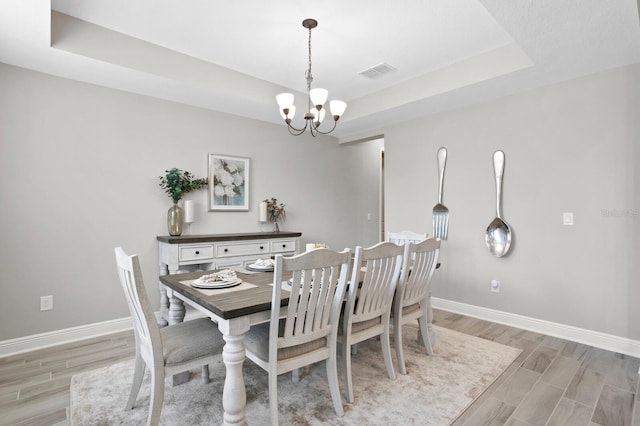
<point>234,310</point>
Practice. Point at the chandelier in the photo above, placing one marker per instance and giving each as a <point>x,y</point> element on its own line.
<point>316,99</point>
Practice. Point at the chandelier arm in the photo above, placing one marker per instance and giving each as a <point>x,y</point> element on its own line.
<point>295,131</point>
<point>335,122</point>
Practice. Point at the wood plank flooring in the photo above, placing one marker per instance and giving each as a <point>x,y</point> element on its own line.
<point>553,381</point>
<point>34,386</point>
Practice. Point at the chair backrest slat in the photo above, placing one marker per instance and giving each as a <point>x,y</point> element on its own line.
<point>318,284</point>
<point>146,329</point>
<point>371,297</point>
<point>419,264</point>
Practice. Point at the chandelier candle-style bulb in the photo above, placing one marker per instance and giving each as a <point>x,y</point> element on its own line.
<point>318,97</point>
<point>285,100</point>
<point>316,100</point>
<point>337,109</point>
<point>315,113</point>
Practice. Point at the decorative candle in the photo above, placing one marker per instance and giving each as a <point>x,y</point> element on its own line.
<point>263,211</point>
<point>189,211</point>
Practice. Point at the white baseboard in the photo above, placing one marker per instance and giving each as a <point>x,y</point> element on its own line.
<point>575,334</point>
<point>58,337</point>
<point>581,335</point>
<point>67,335</point>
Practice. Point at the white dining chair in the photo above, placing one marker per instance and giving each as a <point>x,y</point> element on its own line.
<point>374,277</point>
<point>168,350</point>
<point>305,331</point>
<point>403,236</point>
<point>411,300</point>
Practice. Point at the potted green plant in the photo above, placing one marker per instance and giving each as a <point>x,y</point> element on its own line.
<point>176,183</point>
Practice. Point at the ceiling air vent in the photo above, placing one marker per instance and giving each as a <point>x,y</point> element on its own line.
<point>377,71</point>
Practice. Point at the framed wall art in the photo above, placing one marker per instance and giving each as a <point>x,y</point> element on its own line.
<point>228,183</point>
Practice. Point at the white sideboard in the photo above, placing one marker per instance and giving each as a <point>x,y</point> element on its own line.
<point>208,252</point>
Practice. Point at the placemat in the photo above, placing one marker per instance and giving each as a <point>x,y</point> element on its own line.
<point>244,270</point>
<point>209,292</point>
<point>285,286</point>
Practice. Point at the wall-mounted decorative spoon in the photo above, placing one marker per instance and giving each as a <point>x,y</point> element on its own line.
<point>498,235</point>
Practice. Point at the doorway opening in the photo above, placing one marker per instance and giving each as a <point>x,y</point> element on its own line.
<point>381,191</point>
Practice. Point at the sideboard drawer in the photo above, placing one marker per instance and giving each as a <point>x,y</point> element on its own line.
<point>282,246</point>
<point>196,252</point>
<point>207,252</point>
<point>243,249</point>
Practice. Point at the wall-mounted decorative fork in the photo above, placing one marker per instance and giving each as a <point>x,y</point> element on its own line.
<point>440,211</point>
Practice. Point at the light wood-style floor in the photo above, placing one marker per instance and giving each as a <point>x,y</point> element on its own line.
<point>553,382</point>
<point>34,386</point>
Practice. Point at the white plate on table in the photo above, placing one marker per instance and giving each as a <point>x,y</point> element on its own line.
<point>257,268</point>
<point>216,284</point>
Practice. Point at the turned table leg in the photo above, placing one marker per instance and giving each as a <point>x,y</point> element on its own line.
<point>176,315</point>
<point>234,394</point>
<point>164,300</point>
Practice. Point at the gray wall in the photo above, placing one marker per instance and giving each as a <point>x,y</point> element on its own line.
<point>571,147</point>
<point>79,167</point>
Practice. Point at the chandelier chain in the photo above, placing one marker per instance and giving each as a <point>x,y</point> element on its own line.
<point>309,76</point>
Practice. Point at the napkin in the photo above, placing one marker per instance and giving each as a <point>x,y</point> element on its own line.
<point>222,275</point>
<point>263,263</point>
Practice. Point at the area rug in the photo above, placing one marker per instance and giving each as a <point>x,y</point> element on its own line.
<point>434,392</point>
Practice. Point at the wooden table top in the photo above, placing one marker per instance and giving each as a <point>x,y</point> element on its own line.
<point>232,304</point>
<point>190,239</point>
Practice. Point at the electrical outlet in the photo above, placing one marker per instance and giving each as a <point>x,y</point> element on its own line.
<point>495,286</point>
<point>46,303</point>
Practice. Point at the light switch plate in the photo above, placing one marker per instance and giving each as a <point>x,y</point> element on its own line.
<point>46,303</point>
<point>567,218</point>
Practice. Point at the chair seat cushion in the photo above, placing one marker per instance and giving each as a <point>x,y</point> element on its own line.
<point>407,309</point>
<point>190,339</point>
<point>257,342</point>
<point>411,308</point>
<point>360,326</point>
